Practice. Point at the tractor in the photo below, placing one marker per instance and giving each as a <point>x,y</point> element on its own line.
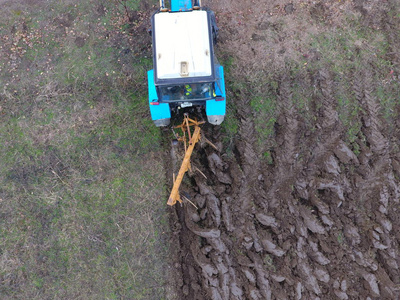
<point>186,74</point>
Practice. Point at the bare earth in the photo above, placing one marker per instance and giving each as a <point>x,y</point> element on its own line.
<point>321,221</point>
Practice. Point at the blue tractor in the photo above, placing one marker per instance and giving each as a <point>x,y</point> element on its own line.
<point>185,72</point>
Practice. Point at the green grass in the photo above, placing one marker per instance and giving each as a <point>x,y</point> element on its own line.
<point>82,197</point>
<point>230,126</point>
<point>85,206</point>
<point>264,104</point>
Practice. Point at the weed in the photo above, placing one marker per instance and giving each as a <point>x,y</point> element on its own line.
<point>340,237</point>
<point>269,263</point>
<point>268,157</point>
<point>264,105</point>
<point>230,126</point>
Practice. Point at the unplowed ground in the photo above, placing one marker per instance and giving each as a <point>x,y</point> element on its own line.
<point>311,211</point>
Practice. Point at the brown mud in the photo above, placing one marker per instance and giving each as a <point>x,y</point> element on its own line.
<point>319,222</point>
<point>326,224</point>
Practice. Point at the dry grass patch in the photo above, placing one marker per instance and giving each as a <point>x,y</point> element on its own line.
<point>82,196</point>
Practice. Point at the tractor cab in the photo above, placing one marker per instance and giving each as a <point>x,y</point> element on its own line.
<point>185,71</point>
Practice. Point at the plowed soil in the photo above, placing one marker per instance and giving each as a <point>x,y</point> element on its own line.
<point>319,219</point>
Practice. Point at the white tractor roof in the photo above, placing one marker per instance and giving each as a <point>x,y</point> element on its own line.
<point>182,45</point>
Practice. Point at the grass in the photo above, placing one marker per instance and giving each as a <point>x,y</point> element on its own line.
<point>264,104</point>
<point>348,50</point>
<point>82,197</point>
<point>230,126</point>
<point>259,94</point>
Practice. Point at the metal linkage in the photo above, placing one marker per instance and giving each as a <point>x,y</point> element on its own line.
<point>191,140</point>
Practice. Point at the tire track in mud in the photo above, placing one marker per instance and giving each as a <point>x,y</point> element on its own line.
<point>308,226</point>
<point>321,190</point>
<point>228,257</point>
<point>341,253</point>
<point>379,183</point>
<point>287,138</point>
<point>304,228</point>
<point>335,195</point>
<point>250,257</point>
<point>320,223</point>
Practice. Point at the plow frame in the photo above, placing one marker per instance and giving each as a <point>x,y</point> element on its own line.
<point>190,140</point>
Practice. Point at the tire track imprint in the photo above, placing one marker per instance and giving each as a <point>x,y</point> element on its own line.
<point>287,138</point>
<point>380,182</point>
<point>319,223</point>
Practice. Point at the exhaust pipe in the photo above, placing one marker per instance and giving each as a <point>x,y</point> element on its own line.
<point>162,6</point>
<point>197,4</point>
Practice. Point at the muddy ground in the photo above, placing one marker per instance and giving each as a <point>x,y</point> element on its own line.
<point>320,218</point>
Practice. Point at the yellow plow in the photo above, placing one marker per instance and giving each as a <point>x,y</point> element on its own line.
<point>190,141</point>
